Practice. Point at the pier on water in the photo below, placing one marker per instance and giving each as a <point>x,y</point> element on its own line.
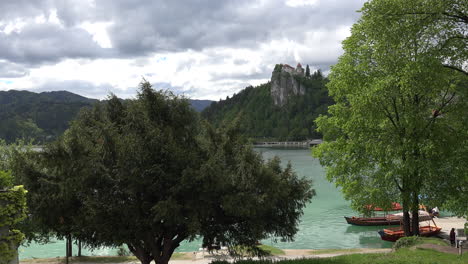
<point>298,144</point>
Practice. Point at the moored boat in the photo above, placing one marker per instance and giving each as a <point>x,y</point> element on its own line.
<point>395,207</point>
<point>372,221</point>
<point>394,233</point>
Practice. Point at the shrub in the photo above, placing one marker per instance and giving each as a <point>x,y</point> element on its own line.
<point>406,242</point>
<point>122,252</point>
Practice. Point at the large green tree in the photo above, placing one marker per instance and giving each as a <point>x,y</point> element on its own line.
<point>149,174</point>
<point>398,130</point>
<point>51,174</point>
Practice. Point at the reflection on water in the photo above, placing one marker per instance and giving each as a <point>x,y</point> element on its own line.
<point>322,225</point>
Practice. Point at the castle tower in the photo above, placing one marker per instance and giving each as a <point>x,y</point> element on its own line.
<point>299,69</point>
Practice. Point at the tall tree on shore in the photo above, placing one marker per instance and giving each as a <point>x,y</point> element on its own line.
<point>307,72</point>
<point>150,175</point>
<point>399,125</point>
<point>56,209</point>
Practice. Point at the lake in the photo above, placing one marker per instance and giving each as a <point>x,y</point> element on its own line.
<point>322,225</point>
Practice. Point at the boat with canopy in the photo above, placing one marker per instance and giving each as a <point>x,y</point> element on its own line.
<point>394,233</point>
<point>376,220</point>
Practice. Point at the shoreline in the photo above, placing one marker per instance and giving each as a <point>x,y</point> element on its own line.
<point>202,257</point>
<point>198,257</point>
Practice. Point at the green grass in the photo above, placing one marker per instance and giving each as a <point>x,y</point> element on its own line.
<point>332,251</point>
<point>407,242</point>
<point>402,256</point>
<point>272,250</point>
<point>431,240</point>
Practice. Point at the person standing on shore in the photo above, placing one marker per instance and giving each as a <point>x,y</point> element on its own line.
<point>452,237</point>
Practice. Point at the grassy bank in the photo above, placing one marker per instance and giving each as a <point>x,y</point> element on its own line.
<point>403,256</point>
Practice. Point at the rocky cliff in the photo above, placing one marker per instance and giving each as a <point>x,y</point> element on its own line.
<point>284,83</point>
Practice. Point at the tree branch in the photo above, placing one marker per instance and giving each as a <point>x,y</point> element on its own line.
<point>398,184</point>
<point>455,68</point>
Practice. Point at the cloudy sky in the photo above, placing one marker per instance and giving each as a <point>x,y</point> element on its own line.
<point>205,49</point>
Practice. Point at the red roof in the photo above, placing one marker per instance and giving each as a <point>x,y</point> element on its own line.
<point>299,65</point>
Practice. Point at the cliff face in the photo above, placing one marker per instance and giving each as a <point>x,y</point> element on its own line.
<point>284,85</point>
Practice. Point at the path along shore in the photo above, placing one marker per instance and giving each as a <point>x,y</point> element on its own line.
<point>447,223</point>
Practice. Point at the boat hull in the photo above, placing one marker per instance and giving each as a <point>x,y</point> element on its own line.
<point>393,235</point>
<point>371,221</point>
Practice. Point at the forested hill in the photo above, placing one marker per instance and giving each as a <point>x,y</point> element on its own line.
<point>44,116</point>
<point>262,119</point>
<point>38,116</point>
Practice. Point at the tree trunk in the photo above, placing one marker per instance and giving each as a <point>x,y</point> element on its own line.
<point>79,248</point>
<point>68,245</point>
<point>67,251</point>
<point>140,253</point>
<point>415,212</point>
<point>169,246</point>
<point>406,216</point>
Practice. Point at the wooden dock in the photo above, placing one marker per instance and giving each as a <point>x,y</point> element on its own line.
<point>289,144</point>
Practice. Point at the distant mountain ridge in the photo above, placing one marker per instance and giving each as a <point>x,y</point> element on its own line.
<point>45,116</point>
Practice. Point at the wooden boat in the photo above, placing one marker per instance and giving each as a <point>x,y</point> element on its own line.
<point>372,221</point>
<point>395,207</point>
<point>393,234</point>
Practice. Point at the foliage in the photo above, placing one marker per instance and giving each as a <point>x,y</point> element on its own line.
<point>5,180</point>
<point>122,251</point>
<point>12,211</point>
<point>239,252</point>
<point>149,174</point>
<point>260,119</point>
<point>41,117</point>
<point>406,242</point>
<point>398,130</point>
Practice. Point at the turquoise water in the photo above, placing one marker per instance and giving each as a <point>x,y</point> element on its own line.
<point>322,225</point>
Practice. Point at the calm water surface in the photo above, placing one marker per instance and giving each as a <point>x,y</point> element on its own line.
<point>322,225</point>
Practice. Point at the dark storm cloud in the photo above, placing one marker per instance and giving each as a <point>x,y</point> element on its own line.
<point>13,9</point>
<point>146,26</point>
<point>12,70</point>
<point>42,43</point>
<point>140,27</point>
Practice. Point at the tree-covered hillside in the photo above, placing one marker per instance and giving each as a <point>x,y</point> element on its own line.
<point>262,120</point>
<point>38,116</point>
<point>44,116</point>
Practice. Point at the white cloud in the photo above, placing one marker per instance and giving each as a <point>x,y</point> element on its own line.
<point>299,3</point>
<point>12,26</point>
<point>99,32</point>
